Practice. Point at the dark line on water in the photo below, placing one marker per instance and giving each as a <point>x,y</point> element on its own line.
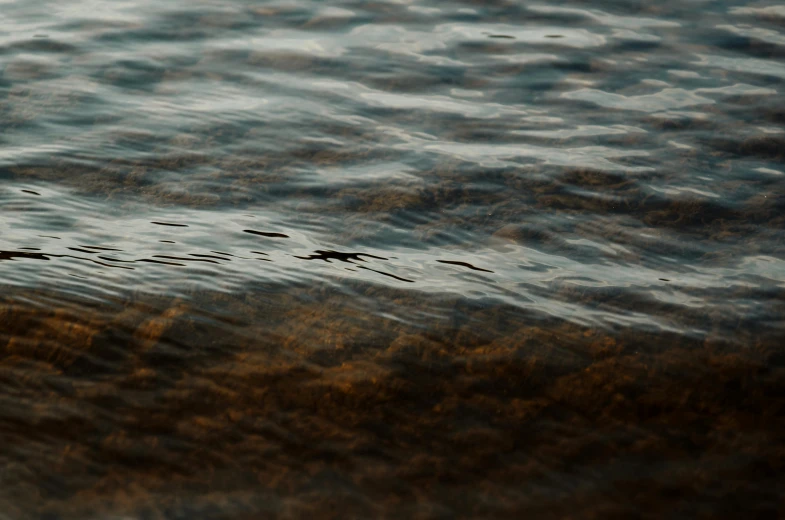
<point>336,255</point>
<point>169,224</point>
<point>32,192</point>
<point>265,234</point>
<point>185,259</point>
<point>109,259</point>
<point>464,264</point>
<point>93,261</point>
<point>150,260</point>
<point>99,248</point>
<point>385,274</point>
<point>199,255</point>
<point>10,255</point>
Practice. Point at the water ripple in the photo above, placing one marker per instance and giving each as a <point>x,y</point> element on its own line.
<point>374,247</point>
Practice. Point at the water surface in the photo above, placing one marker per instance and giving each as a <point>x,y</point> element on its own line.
<point>391,259</point>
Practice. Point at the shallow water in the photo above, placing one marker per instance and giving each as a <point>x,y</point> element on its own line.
<point>393,259</point>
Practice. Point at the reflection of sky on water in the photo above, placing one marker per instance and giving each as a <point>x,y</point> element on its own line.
<point>158,250</point>
<point>435,259</point>
<point>411,131</point>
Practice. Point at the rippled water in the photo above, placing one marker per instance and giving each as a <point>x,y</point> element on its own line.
<point>391,259</point>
